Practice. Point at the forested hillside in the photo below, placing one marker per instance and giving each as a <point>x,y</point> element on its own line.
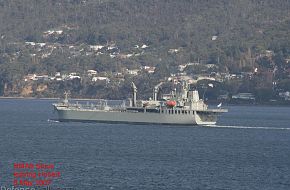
<point>227,33</point>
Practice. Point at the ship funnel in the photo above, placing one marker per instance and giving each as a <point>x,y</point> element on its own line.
<point>134,88</point>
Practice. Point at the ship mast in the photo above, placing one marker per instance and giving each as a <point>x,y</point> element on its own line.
<point>65,100</point>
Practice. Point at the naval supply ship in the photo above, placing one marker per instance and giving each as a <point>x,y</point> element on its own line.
<point>183,108</point>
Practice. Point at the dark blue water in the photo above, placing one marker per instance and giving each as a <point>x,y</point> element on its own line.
<point>248,149</point>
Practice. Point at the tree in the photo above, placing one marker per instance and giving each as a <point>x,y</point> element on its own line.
<point>264,94</point>
<point>161,71</point>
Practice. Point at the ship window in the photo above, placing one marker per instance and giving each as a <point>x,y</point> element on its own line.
<point>175,111</point>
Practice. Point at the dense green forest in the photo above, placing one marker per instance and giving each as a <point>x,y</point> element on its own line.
<point>243,30</point>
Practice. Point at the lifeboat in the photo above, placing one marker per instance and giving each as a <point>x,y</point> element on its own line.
<point>170,103</point>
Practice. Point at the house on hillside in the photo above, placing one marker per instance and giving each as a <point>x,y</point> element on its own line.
<point>104,79</point>
<point>72,76</point>
<point>148,69</point>
<point>134,72</point>
<point>91,72</point>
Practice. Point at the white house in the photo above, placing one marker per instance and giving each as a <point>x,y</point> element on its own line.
<point>213,38</point>
<point>91,72</point>
<point>72,76</point>
<point>133,72</point>
<point>96,47</point>
<point>106,79</point>
<point>144,46</point>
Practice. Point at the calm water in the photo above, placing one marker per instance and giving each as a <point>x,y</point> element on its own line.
<point>248,149</point>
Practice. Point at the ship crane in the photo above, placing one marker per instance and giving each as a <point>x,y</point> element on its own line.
<point>156,90</point>
<point>134,88</point>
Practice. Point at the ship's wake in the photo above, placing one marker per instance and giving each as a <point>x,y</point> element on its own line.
<point>247,127</point>
<point>52,121</point>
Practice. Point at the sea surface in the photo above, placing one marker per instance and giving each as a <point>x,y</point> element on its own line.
<point>248,149</point>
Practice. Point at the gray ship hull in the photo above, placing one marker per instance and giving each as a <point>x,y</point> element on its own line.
<point>185,108</point>
<point>168,117</point>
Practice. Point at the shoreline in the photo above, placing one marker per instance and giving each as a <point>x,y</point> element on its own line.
<point>37,98</point>
<point>89,99</point>
<point>26,98</point>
